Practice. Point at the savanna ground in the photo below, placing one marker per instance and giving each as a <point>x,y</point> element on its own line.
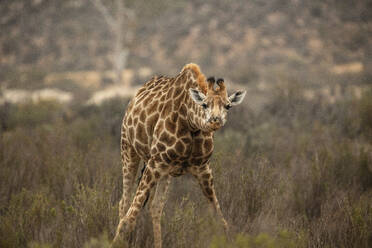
<point>297,173</point>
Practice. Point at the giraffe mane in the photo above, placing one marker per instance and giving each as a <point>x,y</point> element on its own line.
<point>200,78</point>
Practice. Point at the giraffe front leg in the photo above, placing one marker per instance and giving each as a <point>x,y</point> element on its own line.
<point>127,224</point>
<point>204,176</point>
<point>156,209</point>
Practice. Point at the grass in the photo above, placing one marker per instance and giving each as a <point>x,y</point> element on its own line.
<point>296,174</point>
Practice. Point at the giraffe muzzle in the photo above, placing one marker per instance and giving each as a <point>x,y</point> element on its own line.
<point>215,122</point>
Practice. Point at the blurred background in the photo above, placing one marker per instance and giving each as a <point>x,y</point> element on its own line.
<point>292,167</point>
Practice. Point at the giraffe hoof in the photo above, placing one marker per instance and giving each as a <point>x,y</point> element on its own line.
<point>123,234</point>
<point>119,243</point>
<point>122,240</point>
<point>227,230</point>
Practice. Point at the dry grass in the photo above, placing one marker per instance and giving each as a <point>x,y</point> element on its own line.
<point>296,174</point>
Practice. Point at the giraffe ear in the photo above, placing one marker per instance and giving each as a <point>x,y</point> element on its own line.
<point>237,97</point>
<point>197,96</point>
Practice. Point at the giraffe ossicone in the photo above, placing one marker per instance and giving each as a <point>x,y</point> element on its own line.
<point>169,125</point>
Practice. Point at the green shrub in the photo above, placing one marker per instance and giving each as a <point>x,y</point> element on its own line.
<point>365,111</point>
<point>25,219</point>
<point>284,239</point>
<point>291,175</point>
<point>30,114</point>
<point>100,242</point>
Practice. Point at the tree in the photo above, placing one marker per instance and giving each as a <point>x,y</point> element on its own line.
<point>120,21</point>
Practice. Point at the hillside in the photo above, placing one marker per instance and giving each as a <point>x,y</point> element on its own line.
<point>245,41</point>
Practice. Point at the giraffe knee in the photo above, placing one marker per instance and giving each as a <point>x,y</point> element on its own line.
<point>155,212</point>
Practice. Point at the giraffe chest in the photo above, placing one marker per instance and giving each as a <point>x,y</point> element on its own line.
<point>189,150</point>
<point>202,148</point>
<point>196,153</point>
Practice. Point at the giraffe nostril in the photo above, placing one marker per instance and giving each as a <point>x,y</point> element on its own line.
<point>215,119</point>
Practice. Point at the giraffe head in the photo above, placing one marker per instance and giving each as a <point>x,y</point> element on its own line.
<point>215,103</point>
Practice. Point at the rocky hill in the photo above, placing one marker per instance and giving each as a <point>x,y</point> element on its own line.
<point>259,44</point>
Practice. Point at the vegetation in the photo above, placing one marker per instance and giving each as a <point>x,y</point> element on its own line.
<point>297,173</point>
<point>292,167</point>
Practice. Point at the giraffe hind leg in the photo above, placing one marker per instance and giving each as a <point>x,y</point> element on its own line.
<point>156,208</point>
<point>130,160</point>
<point>127,224</point>
<point>139,180</point>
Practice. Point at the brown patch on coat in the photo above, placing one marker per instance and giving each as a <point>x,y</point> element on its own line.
<point>208,145</point>
<point>152,108</point>
<point>148,177</point>
<point>180,148</point>
<point>159,128</point>
<point>170,125</point>
<point>135,121</point>
<point>177,92</point>
<point>167,139</point>
<point>141,134</point>
<point>136,110</point>
<point>169,94</point>
<point>180,79</point>
<point>197,161</point>
<point>161,147</point>
<point>160,107</point>
<point>129,120</point>
<point>186,140</point>
<point>131,133</point>
<point>148,100</point>
<point>197,147</point>
<point>139,147</point>
<point>172,154</point>
<point>150,124</point>
<point>182,128</point>
<point>154,150</point>
<point>174,117</point>
<point>166,110</point>
<point>143,116</point>
<point>183,110</point>
<point>165,158</point>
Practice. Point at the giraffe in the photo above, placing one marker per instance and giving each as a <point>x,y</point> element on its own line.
<point>169,125</point>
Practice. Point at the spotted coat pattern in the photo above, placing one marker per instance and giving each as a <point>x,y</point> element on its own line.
<point>162,128</point>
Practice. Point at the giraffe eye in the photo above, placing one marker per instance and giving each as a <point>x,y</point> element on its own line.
<point>204,105</point>
<point>228,106</point>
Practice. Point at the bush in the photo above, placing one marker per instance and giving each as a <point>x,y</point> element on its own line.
<point>284,239</point>
<point>365,112</point>
<point>30,114</point>
<point>298,173</point>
